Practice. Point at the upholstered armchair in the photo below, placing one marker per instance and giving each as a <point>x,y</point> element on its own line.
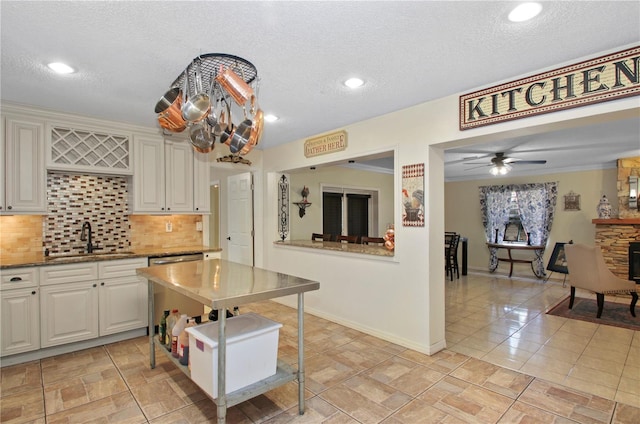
<point>588,271</point>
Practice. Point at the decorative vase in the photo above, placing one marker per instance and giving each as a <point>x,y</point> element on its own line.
<point>604,208</point>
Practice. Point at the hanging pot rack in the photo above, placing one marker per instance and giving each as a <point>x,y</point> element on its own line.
<point>210,64</point>
<point>228,79</point>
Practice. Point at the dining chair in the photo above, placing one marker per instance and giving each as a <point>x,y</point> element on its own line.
<point>372,240</point>
<point>348,239</point>
<point>320,237</point>
<point>451,255</point>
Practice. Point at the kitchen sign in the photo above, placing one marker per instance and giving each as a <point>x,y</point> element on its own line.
<point>328,143</point>
<point>605,78</point>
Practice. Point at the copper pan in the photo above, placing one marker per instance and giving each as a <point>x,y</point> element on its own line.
<point>197,106</point>
<point>201,138</point>
<point>256,132</point>
<point>169,111</point>
<point>235,86</point>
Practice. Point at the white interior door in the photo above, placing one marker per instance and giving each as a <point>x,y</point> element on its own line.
<point>240,215</point>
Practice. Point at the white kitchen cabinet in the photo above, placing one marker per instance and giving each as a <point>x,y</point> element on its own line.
<point>68,313</point>
<point>148,175</point>
<point>86,300</point>
<point>82,147</point>
<point>123,296</point>
<point>179,176</point>
<point>163,176</point>
<point>201,189</point>
<point>19,311</point>
<point>23,171</point>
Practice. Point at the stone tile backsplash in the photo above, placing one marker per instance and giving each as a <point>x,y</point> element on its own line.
<point>101,200</point>
<point>73,199</point>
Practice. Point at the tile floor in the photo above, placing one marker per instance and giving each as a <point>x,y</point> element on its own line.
<point>507,363</point>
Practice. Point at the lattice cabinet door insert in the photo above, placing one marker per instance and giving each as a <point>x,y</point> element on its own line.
<point>89,150</point>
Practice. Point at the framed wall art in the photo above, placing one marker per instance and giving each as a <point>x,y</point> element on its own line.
<point>413,195</point>
<point>571,201</point>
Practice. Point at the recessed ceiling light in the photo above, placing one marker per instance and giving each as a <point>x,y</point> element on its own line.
<point>271,118</point>
<point>354,82</point>
<point>61,68</point>
<point>524,12</point>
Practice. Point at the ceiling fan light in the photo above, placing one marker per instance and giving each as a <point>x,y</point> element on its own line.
<point>494,170</point>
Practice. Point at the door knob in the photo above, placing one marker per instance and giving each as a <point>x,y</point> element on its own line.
<point>229,238</point>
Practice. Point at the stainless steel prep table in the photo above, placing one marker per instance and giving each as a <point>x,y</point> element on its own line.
<point>222,284</point>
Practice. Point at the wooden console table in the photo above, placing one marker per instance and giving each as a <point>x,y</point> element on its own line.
<point>222,285</point>
<point>537,250</point>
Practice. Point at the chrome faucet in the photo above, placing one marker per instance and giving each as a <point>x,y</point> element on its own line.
<point>85,235</point>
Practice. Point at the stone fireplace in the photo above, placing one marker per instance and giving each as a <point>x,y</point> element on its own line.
<point>614,236</point>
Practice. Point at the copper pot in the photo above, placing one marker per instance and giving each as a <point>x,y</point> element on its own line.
<point>256,132</point>
<point>239,137</point>
<point>169,111</point>
<point>196,107</point>
<point>201,138</point>
<point>233,84</point>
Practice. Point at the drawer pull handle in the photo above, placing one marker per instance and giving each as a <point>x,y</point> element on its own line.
<point>33,292</point>
<point>16,279</point>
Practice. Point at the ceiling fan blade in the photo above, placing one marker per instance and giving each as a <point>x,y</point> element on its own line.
<point>529,162</point>
<point>476,167</point>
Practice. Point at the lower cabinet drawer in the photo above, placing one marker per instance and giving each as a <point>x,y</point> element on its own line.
<point>69,273</point>
<point>18,278</point>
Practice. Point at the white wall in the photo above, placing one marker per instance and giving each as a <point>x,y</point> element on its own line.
<point>399,300</point>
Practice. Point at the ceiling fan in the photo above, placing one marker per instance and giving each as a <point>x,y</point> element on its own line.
<point>501,164</point>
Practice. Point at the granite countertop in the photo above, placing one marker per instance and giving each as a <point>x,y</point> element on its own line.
<point>340,247</point>
<point>39,259</point>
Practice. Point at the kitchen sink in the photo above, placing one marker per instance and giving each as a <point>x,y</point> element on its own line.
<point>88,256</point>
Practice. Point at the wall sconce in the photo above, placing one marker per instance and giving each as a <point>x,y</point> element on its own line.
<point>633,192</point>
<point>305,203</point>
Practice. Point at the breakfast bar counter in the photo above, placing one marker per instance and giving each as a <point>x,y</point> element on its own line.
<point>221,284</point>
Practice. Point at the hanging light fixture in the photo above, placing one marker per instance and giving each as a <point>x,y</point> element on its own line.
<point>215,100</point>
<point>500,169</point>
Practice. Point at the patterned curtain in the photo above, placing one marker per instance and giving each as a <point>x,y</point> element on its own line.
<point>537,203</point>
<point>494,204</point>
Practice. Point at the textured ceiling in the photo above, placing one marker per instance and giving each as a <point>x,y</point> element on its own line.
<point>128,52</point>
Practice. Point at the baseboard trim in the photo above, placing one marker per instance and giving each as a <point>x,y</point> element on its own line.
<point>20,358</point>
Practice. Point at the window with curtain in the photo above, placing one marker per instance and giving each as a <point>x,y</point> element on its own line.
<point>536,208</point>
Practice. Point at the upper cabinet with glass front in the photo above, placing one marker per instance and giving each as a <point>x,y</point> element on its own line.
<point>22,166</point>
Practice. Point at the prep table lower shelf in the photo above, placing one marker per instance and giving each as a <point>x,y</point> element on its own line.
<point>284,374</point>
<point>223,285</point>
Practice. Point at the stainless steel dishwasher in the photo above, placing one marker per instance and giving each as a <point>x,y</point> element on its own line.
<point>168,299</point>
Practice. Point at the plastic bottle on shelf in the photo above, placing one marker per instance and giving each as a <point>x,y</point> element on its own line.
<point>175,334</point>
<point>163,327</point>
<point>171,322</point>
<point>183,343</point>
